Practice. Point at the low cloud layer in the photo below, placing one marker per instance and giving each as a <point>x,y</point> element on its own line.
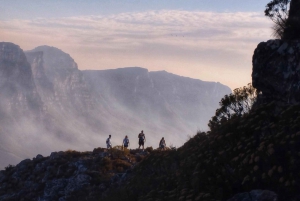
<point>204,45</point>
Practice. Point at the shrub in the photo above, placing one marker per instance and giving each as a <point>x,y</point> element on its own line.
<point>277,11</point>
<point>9,167</point>
<point>121,163</point>
<point>106,164</point>
<point>72,153</point>
<point>117,152</point>
<point>235,104</point>
<point>149,149</point>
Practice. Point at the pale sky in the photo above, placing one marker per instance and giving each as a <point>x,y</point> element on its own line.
<point>210,40</point>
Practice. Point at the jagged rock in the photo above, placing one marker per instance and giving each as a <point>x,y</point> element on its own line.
<point>276,70</point>
<point>255,195</point>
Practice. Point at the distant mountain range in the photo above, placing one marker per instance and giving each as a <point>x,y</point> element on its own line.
<point>48,104</point>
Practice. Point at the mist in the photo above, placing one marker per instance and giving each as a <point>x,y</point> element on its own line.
<point>49,105</point>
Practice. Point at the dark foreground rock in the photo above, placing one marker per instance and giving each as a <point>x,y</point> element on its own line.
<point>255,195</point>
<point>276,70</point>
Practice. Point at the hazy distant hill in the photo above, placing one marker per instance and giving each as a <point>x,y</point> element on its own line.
<point>75,109</point>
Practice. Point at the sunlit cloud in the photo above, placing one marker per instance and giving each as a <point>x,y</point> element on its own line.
<point>204,45</point>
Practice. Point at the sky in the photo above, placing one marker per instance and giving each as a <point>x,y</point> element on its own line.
<point>210,40</point>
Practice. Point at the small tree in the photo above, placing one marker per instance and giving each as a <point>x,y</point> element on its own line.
<point>235,104</point>
<point>286,16</point>
<point>292,29</point>
<point>277,11</point>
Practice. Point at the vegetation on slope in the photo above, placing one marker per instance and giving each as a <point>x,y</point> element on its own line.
<point>257,150</point>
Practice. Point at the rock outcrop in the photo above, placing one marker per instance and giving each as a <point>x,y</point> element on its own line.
<point>276,70</point>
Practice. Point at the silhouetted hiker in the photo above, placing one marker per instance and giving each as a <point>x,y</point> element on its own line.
<point>142,139</point>
<point>126,142</point>
<point>108,142</point>
<point>162,144</point>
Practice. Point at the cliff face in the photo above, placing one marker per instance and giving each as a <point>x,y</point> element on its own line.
<point>276,70</point>
<point>60,83</point>
<point>18,91</point>
<point>44,87</point>
<point>20,103</point>
<point>159,96</point>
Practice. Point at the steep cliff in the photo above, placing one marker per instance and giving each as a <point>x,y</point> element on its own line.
<point>18,91</point>
<point>44,87</point>
<point>20,103</point>
<point>59,81</point>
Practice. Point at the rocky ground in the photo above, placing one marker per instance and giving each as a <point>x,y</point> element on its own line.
<point>68,175</point>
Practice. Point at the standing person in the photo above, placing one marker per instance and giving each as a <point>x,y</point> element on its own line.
<point>162,144</point>
<point>126,142</point>
<point>108,142</point>
<point>142,139</point>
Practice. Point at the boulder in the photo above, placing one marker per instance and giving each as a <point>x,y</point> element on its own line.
<point>276,70</point>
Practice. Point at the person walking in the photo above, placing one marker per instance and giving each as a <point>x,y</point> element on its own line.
<point>162,144</point>
<point>108,142</point>
<point>126,142</point>
<point>142,139</point>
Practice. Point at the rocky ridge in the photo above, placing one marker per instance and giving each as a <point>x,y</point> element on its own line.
<point>68,175</point>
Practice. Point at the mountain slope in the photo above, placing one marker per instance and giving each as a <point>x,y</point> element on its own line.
<point>127,99</point>
<point>164,99</point>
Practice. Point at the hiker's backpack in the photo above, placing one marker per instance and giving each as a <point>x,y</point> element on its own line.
<point>126,142</point>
